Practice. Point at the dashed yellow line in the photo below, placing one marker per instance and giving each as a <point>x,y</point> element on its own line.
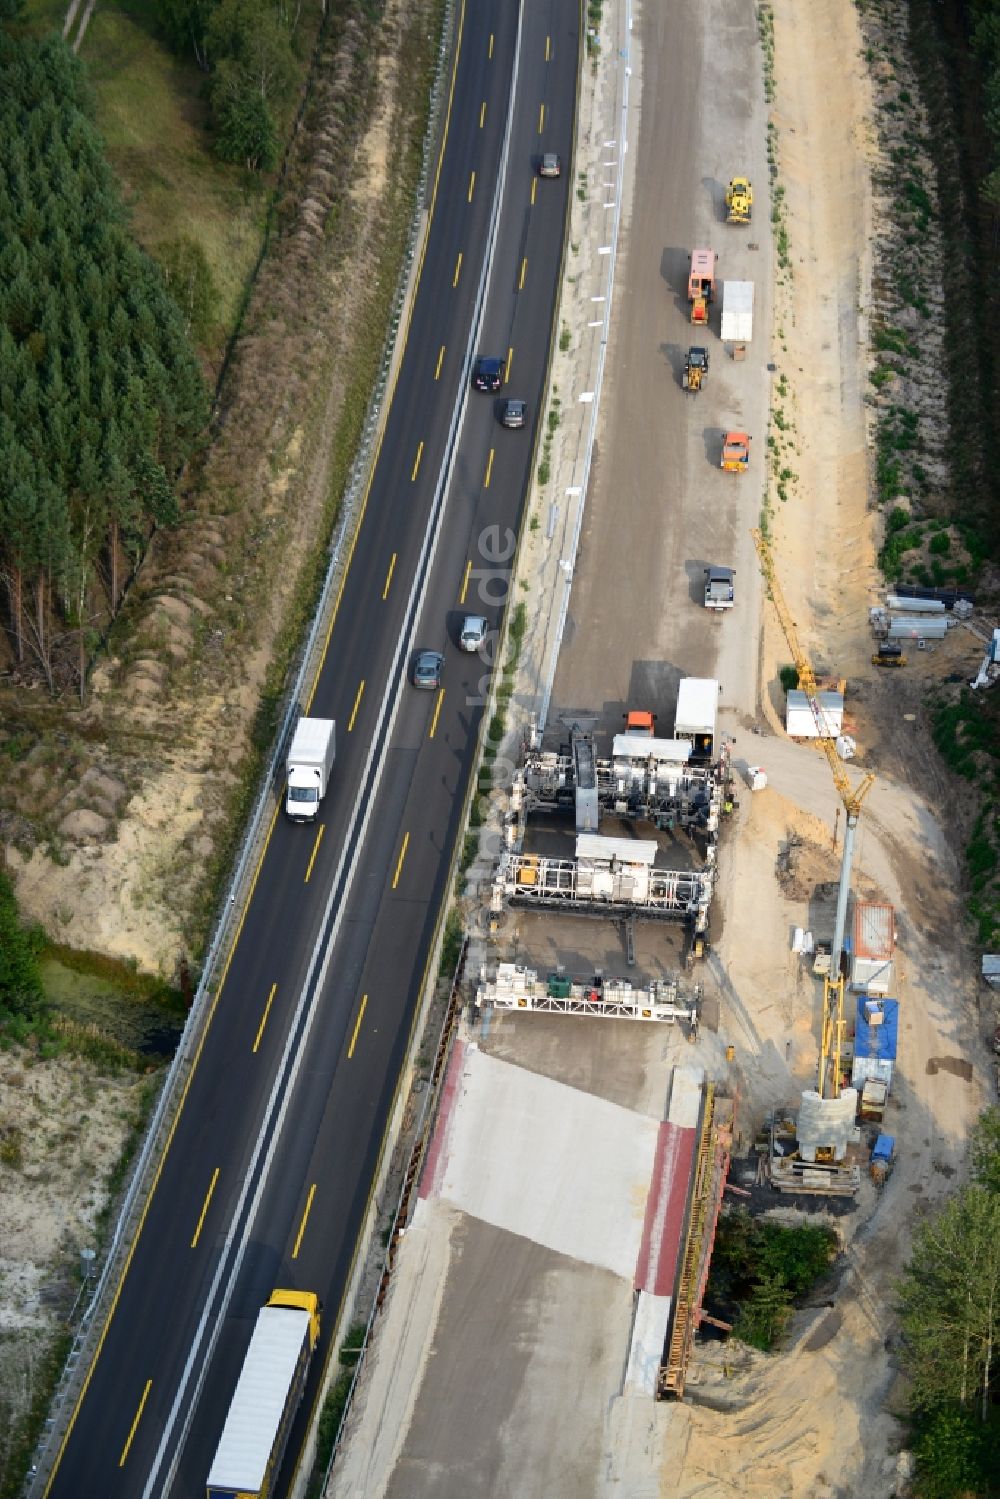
<point>458,269</point>
<point>357,703</point>
<point>491,45</point>
<point>541,118</point>
<point>482,114</point>
<point>437,368</point>
<point>312,857</point>
<point>135,1423</point>
<point>263,1018</point>
<point>524,272</point>
<point>465,581</point>
<point>388,577</point>
<point>510,361</point>
<point>416,463</point>
<point>305,1219</point>
<point>204,1207</point>
<point>472,185</point>
<point>489,469</point>
<point>548,49</point>
<point>357,1026</point>
<point>399,862</point>
<point>534,188</point>
<point>437,713</point>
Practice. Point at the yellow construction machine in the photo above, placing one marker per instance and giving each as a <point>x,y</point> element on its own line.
<point>739,201</point>
<point>735,453</point>
<point>695,368</point>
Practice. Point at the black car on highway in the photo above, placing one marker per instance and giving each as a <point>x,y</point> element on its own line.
<point>488,374</point>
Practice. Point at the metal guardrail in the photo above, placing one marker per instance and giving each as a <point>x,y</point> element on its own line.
<point>115,1258</point>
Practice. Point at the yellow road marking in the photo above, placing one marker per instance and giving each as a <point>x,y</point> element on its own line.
<point>312,857</point>
<point>135,1423</point>
<point>357,702</point>
<point>524,272</point>
<point>472,185</point>
<point>357,1026</point>
<point>437,372</point>
<point>541,118</point>
<point>489,469</point>
<point>437,713</point>
<point>548,48</point>
<point>510,361</point>
<point>388,576</point>
<point>314,1412</point>
<point>416,462</point>
<point>458,269</point>
<point>263,1018</point>
<point>482,114</point>
<point>465,581</point>
<point>491,44</point>
<point>305,1220</point>
<point>208,1199</point>
<point>534,188</point>
<point>402,856</point>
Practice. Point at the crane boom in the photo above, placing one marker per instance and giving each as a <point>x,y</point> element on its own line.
<point>852,797</point>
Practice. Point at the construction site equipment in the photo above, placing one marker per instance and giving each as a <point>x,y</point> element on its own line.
<point>518,988</point>
<point>701,284</point>
<point>829,1075</point>
<point>711,1168</point>
<point>697,714</point>
<point>874,942</point>
<point>914,606</point>
<point>609,877</point>
<point>695,368</point>
<point>735,457</point>
<point>720,590</point>
<point>883,1158</point>
<point>739,201</point>
<point>737,312</point>
<point>989,671</point>
<point>801,722</point>
<point>889,654</point>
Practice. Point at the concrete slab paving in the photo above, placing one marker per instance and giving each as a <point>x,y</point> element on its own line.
<point>515,1143</point>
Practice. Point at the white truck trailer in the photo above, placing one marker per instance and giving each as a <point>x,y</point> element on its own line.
<point>697,712</point>
<point>737,312</point>
<point>310,761</point>
<point>252,1445</point>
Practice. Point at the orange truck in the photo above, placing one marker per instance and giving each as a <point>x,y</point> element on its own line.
<point>701,283</point>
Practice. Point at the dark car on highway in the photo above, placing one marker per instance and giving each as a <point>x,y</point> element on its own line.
<point>488,374</point>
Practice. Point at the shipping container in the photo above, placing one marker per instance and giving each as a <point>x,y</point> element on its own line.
<point>918,627</point>
<point>737,311</point>
<point>874,929</point>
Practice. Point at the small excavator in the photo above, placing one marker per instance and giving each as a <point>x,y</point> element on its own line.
<point>735,453</point>
<point>695,368</point>
<point>739,201</point>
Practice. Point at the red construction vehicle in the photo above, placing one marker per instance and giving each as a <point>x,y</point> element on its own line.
<point>701,284</point>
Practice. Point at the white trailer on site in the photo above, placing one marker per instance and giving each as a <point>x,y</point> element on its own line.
<point>737,312</point>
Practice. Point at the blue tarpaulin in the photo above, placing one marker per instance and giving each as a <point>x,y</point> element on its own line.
<point>877,1030</point>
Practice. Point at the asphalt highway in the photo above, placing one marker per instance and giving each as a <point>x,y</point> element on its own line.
<point>268,1173</point>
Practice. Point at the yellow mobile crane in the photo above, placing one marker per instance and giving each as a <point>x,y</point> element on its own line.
<point>831,1040</point>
